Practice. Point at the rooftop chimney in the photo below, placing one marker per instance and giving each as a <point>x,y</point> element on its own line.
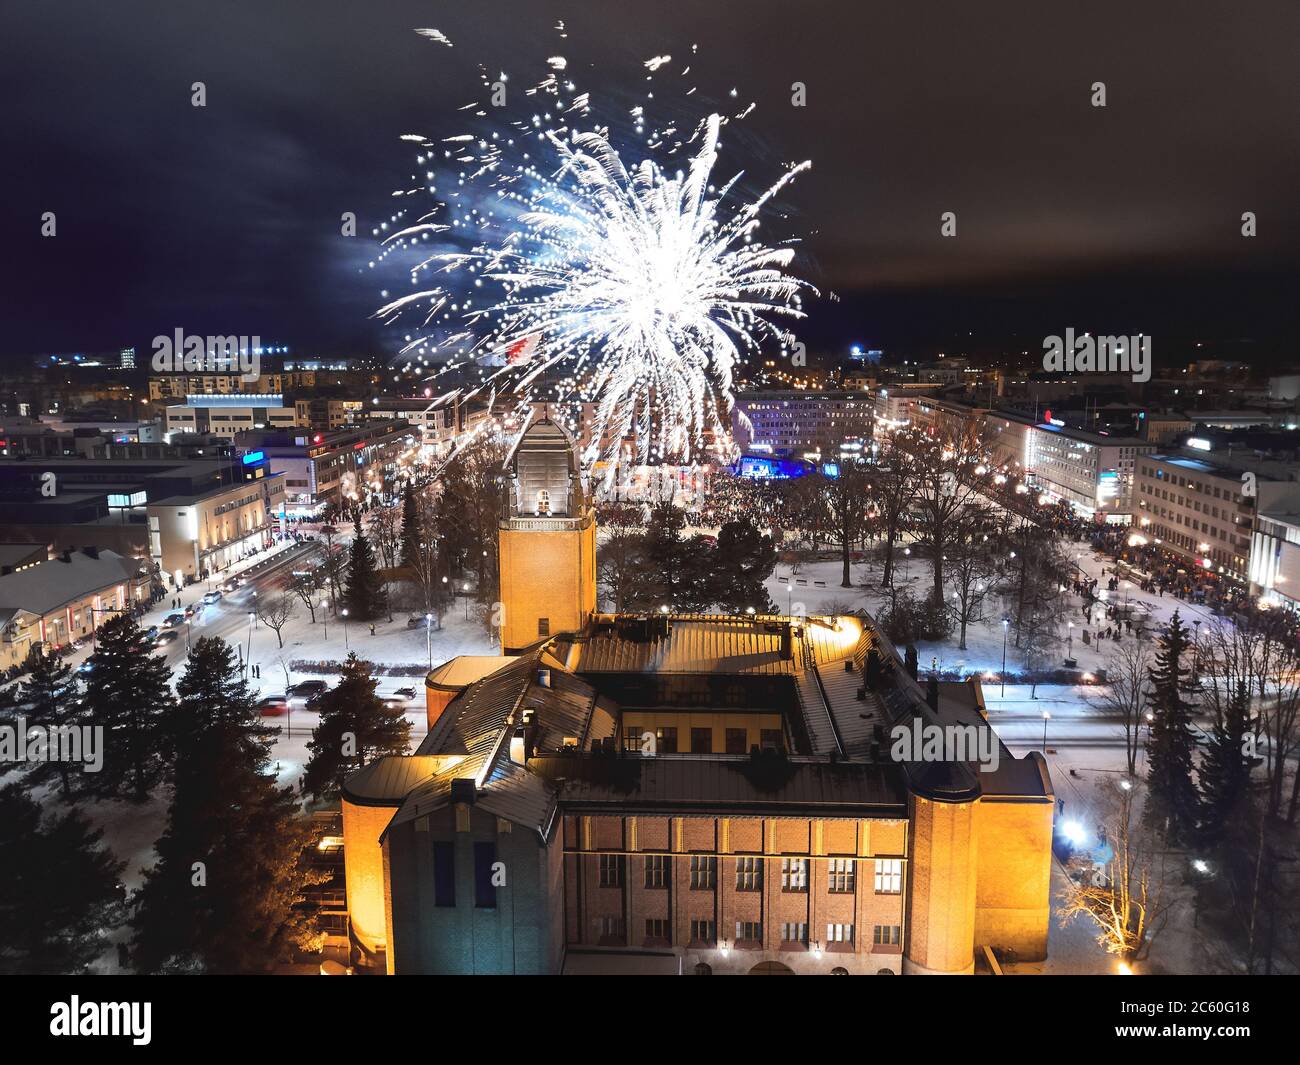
<point>463,790</point>
<point>519,746</point>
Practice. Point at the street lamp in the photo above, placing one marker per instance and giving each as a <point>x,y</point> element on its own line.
<point>248,656</point>
<point>346,647</point>
<point>428,637</point>
<point>1006,622</point>
<point>1046,717</point>
<point>325,619</point>
<point>1069,643</point>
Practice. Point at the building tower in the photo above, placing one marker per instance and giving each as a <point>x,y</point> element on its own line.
<point>547,540</point>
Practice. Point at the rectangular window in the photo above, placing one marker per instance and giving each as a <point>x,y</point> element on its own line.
<point>749,874</point>
<point>611,870</point>
<point>889,876</point>
<point>749,931</point>
<point>657,870</point>
<point>656,928</point>
<point>665,740</point>
<point>444,874</point>
<point>485,892</point>
<point>794,933</point>
<point>794,874</point>
<point>609,930</point>
<point>886,935</point>
<point>703,932</point>
<point>771,739</point>
<point>839,933</point>
<point>704,872</point>
<point>840,876</point>
<point>543,626</point>
<point>735,741</point>
<point>701,741</point>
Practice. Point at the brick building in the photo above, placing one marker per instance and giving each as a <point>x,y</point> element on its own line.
<point>701,794</point>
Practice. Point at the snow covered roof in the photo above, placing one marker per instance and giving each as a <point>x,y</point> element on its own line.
<point>64,579</point>
<point>463,670</point>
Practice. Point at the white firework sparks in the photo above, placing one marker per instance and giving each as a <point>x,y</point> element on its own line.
<point>634,289</point>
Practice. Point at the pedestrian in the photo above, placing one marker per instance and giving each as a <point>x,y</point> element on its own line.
<point>372,628</point>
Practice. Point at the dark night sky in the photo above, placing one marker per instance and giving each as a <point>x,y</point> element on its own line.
<point>225,219</point>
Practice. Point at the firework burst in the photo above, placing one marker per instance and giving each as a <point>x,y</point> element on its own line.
<point>574,276</point>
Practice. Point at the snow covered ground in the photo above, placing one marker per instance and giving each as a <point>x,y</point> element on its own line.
<point>1081,744</point>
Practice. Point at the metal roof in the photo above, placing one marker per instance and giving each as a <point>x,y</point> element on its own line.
<point>724,783</point>
<point>712,644</point>
<point>45,587</point>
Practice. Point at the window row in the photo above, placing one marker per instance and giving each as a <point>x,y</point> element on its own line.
<point>736,740</point>
<point>841,873</point>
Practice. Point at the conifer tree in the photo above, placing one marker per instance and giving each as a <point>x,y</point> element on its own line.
<point>212,692</point>
<point>1173,806</point>
<point>1224,772</point>
<point>227,894</point>
<point>60,894</point>
<point>355,728</point>
<point>364,593</point>
<point>738,568</point>
<point>413,531</point>
<point>49,700</point>
<point>128,694</point>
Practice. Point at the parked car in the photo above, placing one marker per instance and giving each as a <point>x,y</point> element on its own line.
<point>174,619</point>
<point>191,610</point>
<point>418,621</point>
<point>212,597</point>
<point>165,637</point>
<point>272,705</point>
<point>306,692</point>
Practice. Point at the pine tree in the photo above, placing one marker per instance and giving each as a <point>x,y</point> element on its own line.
<point>364,594</point>
<point>355,728</point>
<point>413,530</point>
<point>1224,772</point>
<point>49,700</point>
<point>9,714</point>
<point>228,892</point>
<point>672,561</point>
<point>212,692</point>
<point>1173,806</point>
<point>128,694</point>
<point>739,567</point>
<point>60,894</point>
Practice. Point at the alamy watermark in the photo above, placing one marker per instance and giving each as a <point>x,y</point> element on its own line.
<point>920,741</point>
<point>184,353</point>
<point>133,1020</point>
<point>66,743</point>
<point>1085,353</point>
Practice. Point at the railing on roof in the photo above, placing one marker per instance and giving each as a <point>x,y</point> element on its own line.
<point>810,666</point>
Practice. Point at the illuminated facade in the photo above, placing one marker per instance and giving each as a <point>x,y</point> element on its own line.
<point>694,794</point>
<point>547,541</point>
<point>65,598</point>
<point>1092,472</point>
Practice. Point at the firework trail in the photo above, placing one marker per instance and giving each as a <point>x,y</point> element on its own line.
<point>577,276</point>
